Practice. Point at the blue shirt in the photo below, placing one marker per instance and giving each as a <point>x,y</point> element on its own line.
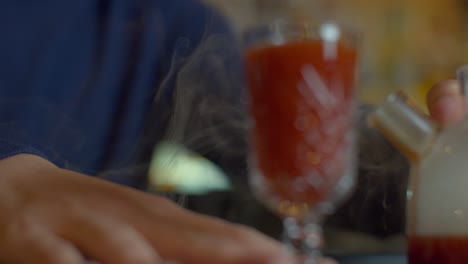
<point>89,84</point>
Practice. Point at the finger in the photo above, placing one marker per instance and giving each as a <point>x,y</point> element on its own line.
<point>214,242</point>
<point>187,237</point>
<point>29,243</point>
<point>183,236</point>
<point>446,103</point>
<point>108,241</point>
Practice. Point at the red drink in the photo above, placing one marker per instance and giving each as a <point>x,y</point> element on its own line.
<point>301,97</point>
<point>438,250</point>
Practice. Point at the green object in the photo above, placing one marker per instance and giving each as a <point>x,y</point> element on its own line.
<point>179,170</point>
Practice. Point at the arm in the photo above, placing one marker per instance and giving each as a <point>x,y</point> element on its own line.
<point>61,216</point>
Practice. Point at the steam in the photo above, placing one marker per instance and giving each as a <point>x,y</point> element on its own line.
<point>208,114</point>
<point>378,204</point>
<point>209,118</point>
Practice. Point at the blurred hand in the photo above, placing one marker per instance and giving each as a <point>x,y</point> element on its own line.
<point>53,216</point>
<point>446,102</point>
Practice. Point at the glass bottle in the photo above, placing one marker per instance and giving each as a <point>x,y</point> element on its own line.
<point>437,196</point>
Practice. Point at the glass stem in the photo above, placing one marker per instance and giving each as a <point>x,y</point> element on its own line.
<point>304,238</point>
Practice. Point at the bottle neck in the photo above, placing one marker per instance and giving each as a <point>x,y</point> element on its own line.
<point>404,125</point>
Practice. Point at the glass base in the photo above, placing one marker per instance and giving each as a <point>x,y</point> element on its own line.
<point>304,239</point>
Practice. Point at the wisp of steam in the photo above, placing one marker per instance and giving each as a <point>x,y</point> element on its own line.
<point>208,117</point>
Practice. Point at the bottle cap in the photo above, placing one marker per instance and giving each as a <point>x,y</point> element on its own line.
<point>405,125</point>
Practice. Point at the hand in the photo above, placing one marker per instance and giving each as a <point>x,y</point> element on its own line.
<point>446,102</point>
<point>53,216</point>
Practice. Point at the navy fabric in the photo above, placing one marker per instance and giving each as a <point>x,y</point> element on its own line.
<point>78,78</point>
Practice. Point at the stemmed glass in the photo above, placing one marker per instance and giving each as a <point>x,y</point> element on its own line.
<point>301,83</point>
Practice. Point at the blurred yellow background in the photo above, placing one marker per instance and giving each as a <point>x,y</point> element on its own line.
<point>407,44</point>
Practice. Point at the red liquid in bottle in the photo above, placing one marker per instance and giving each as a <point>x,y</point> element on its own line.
<point>438,250</point>
<point>301,97</point>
